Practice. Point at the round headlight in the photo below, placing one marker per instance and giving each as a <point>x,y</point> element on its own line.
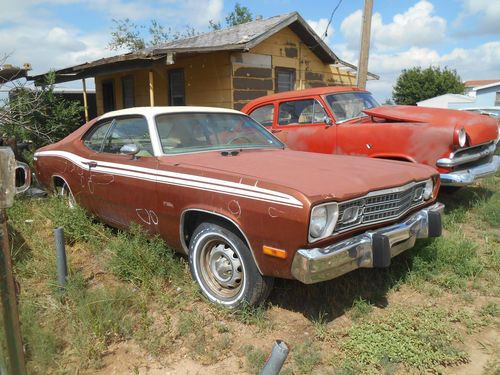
<point>319,218</point>
<point>462,137</point>
<point>429,187</point>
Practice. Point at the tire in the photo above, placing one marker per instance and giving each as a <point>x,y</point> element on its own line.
<point>65,192</point>
<point>223,266</point>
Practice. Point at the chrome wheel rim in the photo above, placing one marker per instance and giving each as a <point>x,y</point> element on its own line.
<point>221,269</point>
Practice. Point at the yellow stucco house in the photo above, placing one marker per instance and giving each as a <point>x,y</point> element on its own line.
<point>224,68</point>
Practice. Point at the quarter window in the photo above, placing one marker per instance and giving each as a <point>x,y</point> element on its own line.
<point>264,115</point>
<point>497,99</point>
<point>95,137</point>
<point>129,130</point>
<point>307,111</point>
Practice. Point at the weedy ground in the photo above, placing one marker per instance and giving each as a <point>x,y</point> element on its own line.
<point>130,305</point>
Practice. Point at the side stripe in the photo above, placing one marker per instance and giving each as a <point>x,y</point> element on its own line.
<point>180,179</point>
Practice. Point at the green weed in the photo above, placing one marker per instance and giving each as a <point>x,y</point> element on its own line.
<point>360,308</point>
<point>420,338</point>
<point>306,357</point>
<point>254,358</point>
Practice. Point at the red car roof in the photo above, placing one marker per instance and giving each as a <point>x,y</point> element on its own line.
<point>305,92</point>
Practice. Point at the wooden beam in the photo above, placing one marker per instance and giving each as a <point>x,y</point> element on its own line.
<point>85,103</point>
<point>151,89</point>
<point>365,45</point>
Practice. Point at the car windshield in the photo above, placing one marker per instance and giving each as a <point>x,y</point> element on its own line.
<point>194,132</point>
<point>350,105</point>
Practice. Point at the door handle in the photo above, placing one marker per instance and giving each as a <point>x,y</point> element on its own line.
<point>91,164</point>
<point>275,130</point>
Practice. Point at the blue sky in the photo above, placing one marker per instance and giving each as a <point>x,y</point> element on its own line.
<point>461,34</point>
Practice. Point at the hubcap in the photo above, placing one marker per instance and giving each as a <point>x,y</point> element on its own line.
<point>225,266</point>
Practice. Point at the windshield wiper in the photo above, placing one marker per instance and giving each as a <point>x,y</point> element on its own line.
<point>230,152</point>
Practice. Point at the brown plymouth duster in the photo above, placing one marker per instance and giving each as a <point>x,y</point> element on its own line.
<point>216,186</point>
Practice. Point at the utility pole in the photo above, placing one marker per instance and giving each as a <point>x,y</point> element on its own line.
<point>365,45</point>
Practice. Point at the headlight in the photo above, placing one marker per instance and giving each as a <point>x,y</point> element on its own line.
<point>462,137</point>
<point>323,220</point>
<point>428,189</point>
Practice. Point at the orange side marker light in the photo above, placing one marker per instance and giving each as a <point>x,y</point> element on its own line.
<point>272,251</point>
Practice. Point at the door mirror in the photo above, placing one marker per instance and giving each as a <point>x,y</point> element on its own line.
<point>130,149</point>
<point>328,121</point>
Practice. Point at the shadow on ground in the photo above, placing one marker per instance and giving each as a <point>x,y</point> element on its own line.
<point>330,299</point>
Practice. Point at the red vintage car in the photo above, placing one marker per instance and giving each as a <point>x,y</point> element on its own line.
<point>348,121</point>
<point>218,187</point>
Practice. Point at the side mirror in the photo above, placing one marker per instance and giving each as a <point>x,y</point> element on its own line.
<point>130,149</point>
<point>328,121</point>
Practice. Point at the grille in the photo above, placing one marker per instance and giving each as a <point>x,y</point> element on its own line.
<point>379,206</point>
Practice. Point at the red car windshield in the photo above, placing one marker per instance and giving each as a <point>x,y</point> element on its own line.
<point>350,105</point>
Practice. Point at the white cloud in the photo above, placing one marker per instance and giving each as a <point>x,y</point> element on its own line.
<point>418,26</point>
<point>319,27</point>
<point>488,12</point>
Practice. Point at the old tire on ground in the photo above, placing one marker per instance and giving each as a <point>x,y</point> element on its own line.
<point>65,192</point>
<point>223,267</point>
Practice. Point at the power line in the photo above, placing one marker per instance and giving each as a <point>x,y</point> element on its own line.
<point>325,34</point>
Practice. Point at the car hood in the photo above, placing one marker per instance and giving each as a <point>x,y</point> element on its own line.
<point>318,177</point>
<point>480,129</point>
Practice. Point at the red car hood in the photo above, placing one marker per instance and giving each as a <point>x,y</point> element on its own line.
<point>317,176</point>
<point>480,129</point>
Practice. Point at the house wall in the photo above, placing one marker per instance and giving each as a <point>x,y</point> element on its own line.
<point>229,79</point>
<point>254,72</point>
<point>207,82</point>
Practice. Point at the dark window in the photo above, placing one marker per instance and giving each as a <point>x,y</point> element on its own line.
<point>176,95</point>
<point>128,92</point>
<point>264,115</point>
<point>284,80</point>
<point>94,138</point>
<point>497,99</point>
<point>129,130</point>
<point>108,96</point>
<point>308,111</point>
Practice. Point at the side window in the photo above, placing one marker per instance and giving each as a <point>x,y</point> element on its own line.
<point>108,96</point>
<point>95,137</point>
<point>307,111</point>
<point>129,130</point>
<point>264,115</point>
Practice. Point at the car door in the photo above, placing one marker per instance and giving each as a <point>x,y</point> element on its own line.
<point>302,125</point>
<point>123,187</point>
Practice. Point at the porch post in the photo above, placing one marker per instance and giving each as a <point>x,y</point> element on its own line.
<point>151,89</point>
<point>85,104</point>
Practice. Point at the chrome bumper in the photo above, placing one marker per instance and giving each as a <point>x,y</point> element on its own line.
<point>367,250</point>
<point>468,176</point>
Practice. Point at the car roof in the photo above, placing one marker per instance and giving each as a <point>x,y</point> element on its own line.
<point>305,92</point>
<point>153,111</point>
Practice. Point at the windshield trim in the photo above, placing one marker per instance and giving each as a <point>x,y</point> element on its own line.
<point>280,145</point>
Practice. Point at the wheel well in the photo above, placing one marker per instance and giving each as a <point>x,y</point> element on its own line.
<point>58,181</point>
<point>193,218</point>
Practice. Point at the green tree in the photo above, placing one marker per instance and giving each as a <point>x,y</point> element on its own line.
<point>38,115</point>
<point>131,36</point>
<point>240,14</point>
<point>417,84</point>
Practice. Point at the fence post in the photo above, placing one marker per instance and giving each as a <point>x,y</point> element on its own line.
<point>62,267</point>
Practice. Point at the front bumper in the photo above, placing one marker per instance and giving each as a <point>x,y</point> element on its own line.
<point>468,176</point>
<point>367,250</point>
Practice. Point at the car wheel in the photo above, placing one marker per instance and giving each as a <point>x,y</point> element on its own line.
<point>223,267</point>
<point>65,192</point>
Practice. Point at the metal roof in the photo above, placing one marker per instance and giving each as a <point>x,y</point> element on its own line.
<point>241,37</point>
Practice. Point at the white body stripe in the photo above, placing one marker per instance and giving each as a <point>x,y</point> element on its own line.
<point>180,179</point>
